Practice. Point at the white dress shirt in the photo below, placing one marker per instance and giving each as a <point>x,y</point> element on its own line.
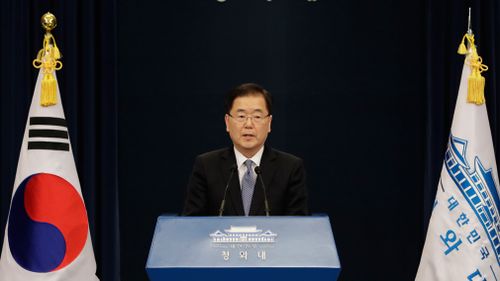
<point>240,159</point>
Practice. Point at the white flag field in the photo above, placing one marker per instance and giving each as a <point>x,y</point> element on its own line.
<point>463,238</point>
<point>47,236</point>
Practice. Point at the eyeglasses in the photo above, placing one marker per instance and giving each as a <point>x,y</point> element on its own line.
<point>256,119</point>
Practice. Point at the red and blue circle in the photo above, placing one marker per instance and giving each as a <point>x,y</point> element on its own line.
<point>48,224</point>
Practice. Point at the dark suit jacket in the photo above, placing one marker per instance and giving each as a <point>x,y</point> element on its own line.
<point>283,175</point>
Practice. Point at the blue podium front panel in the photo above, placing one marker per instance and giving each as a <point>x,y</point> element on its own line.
<point>243,248</point>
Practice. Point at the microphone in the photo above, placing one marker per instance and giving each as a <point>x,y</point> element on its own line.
<point>258,171</point>
<point>223,203</point>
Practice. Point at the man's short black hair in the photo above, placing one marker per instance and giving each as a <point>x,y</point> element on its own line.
<point>248,89</point>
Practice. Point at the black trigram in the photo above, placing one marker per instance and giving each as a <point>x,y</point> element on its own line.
<point>48,133</point>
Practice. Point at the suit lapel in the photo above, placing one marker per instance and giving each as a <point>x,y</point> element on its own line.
<point>268,170</point>
<point>234,191</point>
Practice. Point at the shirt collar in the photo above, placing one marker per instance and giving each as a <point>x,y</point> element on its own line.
<point>240,158</point>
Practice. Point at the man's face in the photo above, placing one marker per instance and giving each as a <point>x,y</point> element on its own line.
<point>248,134</point>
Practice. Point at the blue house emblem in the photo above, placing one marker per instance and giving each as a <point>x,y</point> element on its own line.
<point>477,186</point>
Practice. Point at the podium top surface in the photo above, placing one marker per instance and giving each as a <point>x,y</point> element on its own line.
<point>187,242</point>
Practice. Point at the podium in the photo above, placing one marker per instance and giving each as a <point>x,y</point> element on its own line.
<point>243,248</point>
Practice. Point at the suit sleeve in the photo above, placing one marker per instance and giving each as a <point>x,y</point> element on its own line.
<point>297,191</point>
<point>196,198</point>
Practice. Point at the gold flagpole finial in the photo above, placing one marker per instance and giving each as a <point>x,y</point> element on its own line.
<point>49,21</point>
<point>48,61</point>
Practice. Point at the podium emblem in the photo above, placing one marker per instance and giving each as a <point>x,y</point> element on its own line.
<point>243,234</point>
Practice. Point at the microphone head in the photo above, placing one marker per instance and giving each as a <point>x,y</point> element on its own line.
<point>257,170</point>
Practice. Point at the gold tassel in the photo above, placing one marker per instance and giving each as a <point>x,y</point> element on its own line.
<point>49,90</point>
<point>476,82</point>
<point>54,50</point>
<point>57,54</point>
<point>475,90</point>
<point>48,60</point>
<point>461,48</point>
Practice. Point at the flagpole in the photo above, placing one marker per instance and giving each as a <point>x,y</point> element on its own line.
<point>469,29</point>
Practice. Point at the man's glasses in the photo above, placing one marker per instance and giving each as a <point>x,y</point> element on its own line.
<point>256,118</point>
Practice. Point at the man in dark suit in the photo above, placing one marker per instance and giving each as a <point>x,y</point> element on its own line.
<point>248,121</point>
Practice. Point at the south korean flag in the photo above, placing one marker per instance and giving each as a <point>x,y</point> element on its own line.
<point>47,235</point>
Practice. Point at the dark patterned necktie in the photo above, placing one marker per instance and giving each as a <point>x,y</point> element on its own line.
<point>247,186</point>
